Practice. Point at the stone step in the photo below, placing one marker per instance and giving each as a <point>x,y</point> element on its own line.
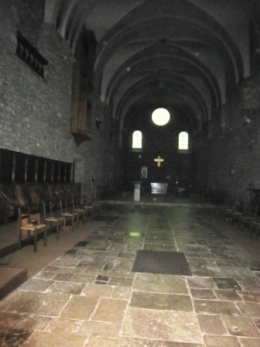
<point>10,279</point>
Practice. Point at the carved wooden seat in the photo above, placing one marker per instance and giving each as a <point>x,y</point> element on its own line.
<point>248,217</point>
<point>228,210</point>
<point>70,216</point>
<point>255,227</point>
<point>51,220</point>
<point>7,202</point>
<point>92,209</point>
<point>30,224</point>
<point>237,212</point>
<point>81,211</point>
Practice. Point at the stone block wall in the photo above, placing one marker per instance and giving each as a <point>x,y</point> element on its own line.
<point>233,157</point>
<point>35,111</point>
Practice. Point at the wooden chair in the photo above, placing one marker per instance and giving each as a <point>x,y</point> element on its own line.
<point>83,212</point>
<point>228,210</point>
<point>237,212</point>
<point>51,220</point>
<point>223,202</point>
<point>255,227</point>
<point>249,216</point>
<point>70,216</point>
<point>32,226</point>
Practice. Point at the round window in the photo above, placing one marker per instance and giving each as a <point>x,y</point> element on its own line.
<point>160,116</point>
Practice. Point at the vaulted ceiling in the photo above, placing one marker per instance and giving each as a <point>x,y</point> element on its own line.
<point>177,53</point>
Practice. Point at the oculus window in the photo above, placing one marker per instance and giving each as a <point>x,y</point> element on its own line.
<point>160,116</point>
<point>183,141</point>
<point>137,139</point>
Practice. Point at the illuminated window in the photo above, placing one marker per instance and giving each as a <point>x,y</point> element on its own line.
<point>183,141</point>
<point>137,139</point>
<point>160,116</point>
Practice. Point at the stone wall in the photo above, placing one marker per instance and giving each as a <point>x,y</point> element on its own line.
<point>35,111</point>
<point>233,156</point>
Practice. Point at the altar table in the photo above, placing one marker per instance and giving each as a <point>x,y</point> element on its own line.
<point>159,188</point>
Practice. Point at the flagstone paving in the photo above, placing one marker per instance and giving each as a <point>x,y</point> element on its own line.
<point>90,297</point>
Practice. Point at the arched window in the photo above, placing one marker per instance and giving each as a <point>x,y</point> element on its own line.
<point>183,141</point>
<point>137,139</point>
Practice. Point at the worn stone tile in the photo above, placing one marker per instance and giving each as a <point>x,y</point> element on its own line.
<point>98,246</point>
<point>117,247</point>
<point>102,342</point>
<point>121,281</point>
<point>250,296</point>
<point>203,273</point>
<point>45,275</point>
<point>123,265</point>
<point>229,295</point>
<point>227,283</point>
<point>162,325</point>
<point>201,282</point>
<point>249,309</point>
<point>160,247</point>
<point>66,326</point>
<point>35,284</point>
<point>104,329</point>
<point>79,307</point>
<point>64,262</point>
<point>121,293</point>
<point>110,310</point>
<point>249,285</point>
<point>63,269</point>
<point>160,283</point>
<point>86,254</point>
<point>67,287</point>
<point>132,247</point>
<point>109,265</point>
<point>130,275</point>
<point>126,255</point>
<point>103,279</point>
<point>212,324</point>
<point>83,278</point>
<point>257,322</point>
<point>24,320</point>
<point>132,342</point>
<point>248,342</point>
<point>215,307</point>
<point>100,283</point>
<point>63,277</point>
<point>95,291</point>
<point>93,263</point>
<point>241,326</point>
<point>43,339</point>
<point>49,304</point>
<point>158,301</point>
<point>221,341</point>
<point>203,293</point>
<point>13,336</point>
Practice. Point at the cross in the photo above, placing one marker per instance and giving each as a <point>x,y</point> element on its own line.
<point>159,160</point>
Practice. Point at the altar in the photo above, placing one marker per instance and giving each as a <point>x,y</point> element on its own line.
<point>159,188</point>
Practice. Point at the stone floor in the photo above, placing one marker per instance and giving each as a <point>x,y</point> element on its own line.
<point>88,296</point>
